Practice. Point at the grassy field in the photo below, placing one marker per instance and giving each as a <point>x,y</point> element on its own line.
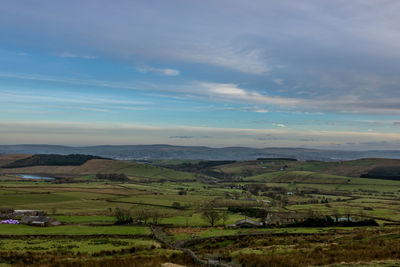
<point>304,249</point>
<point>87,206</point>
<point>88,170</point>
<point>6,229</point>
<point>83,245</point>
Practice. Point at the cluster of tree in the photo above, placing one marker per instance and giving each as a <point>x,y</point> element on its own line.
<point>203,167</point>
<point>255,189</point>
<point>212,215</point>
<point>144,216</point>
<point>329,221</point>
<point>250,212</point>
<point>272,159</point>
<point>177,205</point>
<point>387,172</point>
<point>51,160</point>
<point>118,177</point>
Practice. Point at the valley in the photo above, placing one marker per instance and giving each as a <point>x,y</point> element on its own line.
<point>110,207</point>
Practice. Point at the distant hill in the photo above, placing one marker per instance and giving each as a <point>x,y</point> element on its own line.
<point>154,152</point>
<point>51,160</point>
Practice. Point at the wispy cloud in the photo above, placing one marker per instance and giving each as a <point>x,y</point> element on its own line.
<point>245,60</point>
<point>230,91</point>
<point>71,55</point>
<point>95,109</point>
<point>350,104</point>
<point>166,71</point>
<point>279,125</point>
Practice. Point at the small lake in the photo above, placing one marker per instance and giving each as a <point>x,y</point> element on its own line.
<point>30,176</point>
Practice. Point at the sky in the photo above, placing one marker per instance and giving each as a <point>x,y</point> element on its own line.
<point>260,73</point>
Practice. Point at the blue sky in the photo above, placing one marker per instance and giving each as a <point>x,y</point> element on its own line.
<point>321,74</point>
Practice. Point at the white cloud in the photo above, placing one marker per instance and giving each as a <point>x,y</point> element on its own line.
<point>166,72</point>
<point>229,91</point>
<point>261,110</point>
<point>243,60</point>
<point>279,125</point>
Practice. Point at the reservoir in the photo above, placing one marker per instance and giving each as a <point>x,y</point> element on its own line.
<point>30,176</point>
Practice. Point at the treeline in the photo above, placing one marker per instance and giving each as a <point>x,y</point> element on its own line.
<point>120,177</point>
<point>249,212</point>
<point>387,172</point>
<point>202,167</point>
<point>139,216</point>
<point>329,221</point>
<point>52,160</point>
<point>272,159</point>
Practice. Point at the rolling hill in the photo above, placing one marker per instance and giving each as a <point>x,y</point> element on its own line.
<point>368,168</point>
<point>95,166</point>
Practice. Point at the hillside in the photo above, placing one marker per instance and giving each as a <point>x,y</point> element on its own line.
<point>51,160</point>
<point>104,166</point>
<point>9,158</point>
<point>371,167</point>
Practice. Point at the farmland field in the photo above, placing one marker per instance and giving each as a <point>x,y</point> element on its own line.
<point>173,203</point>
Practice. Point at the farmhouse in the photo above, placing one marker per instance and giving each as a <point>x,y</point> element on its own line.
<point>8,213</point>
<point>5,213</point>
<point>40,221</point>
<point>283,218</point>
<point>20,213</point>
<point>245,223</point>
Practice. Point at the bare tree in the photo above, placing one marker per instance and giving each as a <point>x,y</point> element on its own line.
<point>211,216</point>
<point>156,216</point>
<point>224,217</point>
<point>142,215</point>
<point>336,215</point>
<point>348,215</point>
<point>122,216</point>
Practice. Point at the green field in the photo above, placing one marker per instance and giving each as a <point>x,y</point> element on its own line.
<point>175,201</point>
<point>74,245</point>
<point>73,230</point>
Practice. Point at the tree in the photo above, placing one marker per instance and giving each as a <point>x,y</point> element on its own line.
<point>142,215</point>
<point>336,214</point>
<point>156,216</point>
<point>211,216</point>
<point>122,216</point>
<point>176,205</point>
<point>348,215</point>
<point>224,217</point>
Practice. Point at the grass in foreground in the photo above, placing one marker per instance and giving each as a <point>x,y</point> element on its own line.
<point>6,229</point>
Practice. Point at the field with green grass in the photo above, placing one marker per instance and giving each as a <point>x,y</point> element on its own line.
<point>175,202</point>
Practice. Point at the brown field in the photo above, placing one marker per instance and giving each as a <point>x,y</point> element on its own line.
<point>9,158</point>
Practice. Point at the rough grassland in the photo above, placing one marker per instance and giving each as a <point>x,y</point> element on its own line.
<point>93,167</point>
<point>80,245</point>
<point>6,229</point>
